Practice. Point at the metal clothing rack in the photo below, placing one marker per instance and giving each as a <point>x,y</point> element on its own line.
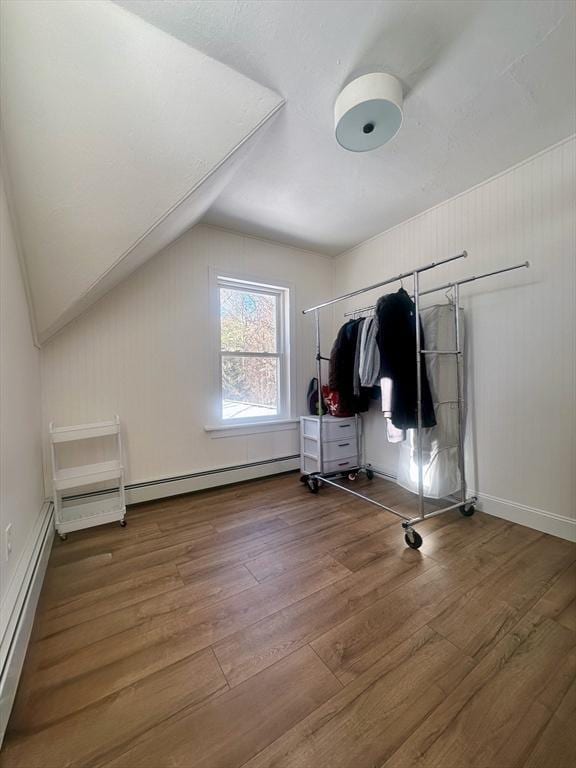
<point>466,503</point>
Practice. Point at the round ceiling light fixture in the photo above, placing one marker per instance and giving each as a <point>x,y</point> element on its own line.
<point>368,112</point>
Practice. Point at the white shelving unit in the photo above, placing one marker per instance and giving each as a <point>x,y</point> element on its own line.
<point>108,507</point>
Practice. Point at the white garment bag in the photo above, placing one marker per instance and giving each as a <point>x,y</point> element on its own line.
<point>440,443</point>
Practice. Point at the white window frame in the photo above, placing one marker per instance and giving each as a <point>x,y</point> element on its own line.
<point>223,279</point>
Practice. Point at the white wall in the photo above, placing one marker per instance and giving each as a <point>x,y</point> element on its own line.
<point>521,444</point>
<point>144,351</point>
<point>21,484</point>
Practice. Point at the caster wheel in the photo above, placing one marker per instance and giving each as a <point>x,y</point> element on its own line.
<point>467,510</point>
<point>413,539</point>
<point>313,485</point>
<point>370,474</point>
<point>123,523</point>
<point>352,476</point>
<point>303,478</point>
<point>63,536</point>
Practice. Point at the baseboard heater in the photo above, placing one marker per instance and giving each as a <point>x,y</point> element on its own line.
<point>19,616</point>
<point>206,478</point>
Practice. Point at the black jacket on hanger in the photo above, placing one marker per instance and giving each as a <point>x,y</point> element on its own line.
<point>341,371</point>
<point>397,344</point>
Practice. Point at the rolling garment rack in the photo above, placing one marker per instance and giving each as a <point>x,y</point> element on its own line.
<point>466,504</point>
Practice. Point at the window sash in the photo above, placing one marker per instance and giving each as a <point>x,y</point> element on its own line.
<point>280,296</point>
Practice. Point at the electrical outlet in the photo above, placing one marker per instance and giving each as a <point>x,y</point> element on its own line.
<point>8,540</point>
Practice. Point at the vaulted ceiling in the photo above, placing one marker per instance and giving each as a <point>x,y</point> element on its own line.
<point>487,84</point>
<point>117,137</point>
<point>126,122</point>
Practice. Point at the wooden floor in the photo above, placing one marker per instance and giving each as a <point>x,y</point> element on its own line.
<point>259,625</point>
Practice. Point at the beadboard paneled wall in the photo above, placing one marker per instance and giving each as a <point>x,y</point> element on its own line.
<point>521,328</point>
<point>145,351</point>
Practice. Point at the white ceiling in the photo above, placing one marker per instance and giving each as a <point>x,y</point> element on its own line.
<point>487,83</point>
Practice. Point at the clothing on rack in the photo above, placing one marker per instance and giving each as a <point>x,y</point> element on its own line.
<point>441,471</point>
<point>361,325</point>
<point>393,434</point>
<point>369,353</point>
<point>341,370</point>
<point>395,313</point>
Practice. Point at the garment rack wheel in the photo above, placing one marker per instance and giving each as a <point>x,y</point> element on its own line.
<point>313,484</point>
<point>467,510</point>
<point>63,536</point>
<point>413,538</point>
<point>370,473</point>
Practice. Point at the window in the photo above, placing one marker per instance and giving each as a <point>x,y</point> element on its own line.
<point>253,365</point>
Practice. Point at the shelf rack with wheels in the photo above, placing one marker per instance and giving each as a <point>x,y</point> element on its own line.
<point>74,512</point>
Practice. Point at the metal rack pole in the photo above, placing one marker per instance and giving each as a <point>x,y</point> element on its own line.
<point>446,286</point>
<point>419,396</point>
<point>401,276</point>
<point>320,405</point>
<point>461,393</point>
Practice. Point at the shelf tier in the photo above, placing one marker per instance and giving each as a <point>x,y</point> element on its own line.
<point>84,431</point>
<point>87,474</point>
<point>88,513</point>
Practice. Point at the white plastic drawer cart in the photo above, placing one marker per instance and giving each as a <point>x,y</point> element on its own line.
<point>333,448</point>
<point>74,511</point>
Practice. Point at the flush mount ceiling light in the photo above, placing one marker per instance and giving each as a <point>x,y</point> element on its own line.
<point>368,112</point>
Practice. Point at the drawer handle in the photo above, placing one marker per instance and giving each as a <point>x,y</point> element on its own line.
<point>343,445</point>
<point>344,426</point>
<point>344,464</point>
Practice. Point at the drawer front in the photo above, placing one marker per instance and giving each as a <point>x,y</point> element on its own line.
<point>336,449</point>
<point>338,430</point>
<point>340,465</point>
<point>340,449</point>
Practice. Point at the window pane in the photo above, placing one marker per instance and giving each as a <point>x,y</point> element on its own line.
<point>247,321</point>
<point>249,387</point>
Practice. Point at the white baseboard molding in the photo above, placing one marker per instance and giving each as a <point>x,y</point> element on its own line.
<point>19,608</point>
<point>198,481</point>
<point>531,517</point>
<point>539,519</point>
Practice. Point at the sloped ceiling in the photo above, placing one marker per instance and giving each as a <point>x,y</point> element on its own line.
<point>117,137</point>
<point>487,84</point>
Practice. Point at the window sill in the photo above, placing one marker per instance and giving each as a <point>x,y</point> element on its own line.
<point>250,428</point>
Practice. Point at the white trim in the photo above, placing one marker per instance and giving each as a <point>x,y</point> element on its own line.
<point>539,519</point>
<point>209,479</point>
<point>19,607</point>
<point>531,517</point>
<point>217,431</point>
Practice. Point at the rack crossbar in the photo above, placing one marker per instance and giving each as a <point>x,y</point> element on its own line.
<point>323,479</point>
<point>446,286</point>
<point>414,520</point>
<point>395,279</point>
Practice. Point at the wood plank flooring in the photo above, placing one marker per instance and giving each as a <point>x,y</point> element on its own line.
<point>261,626</point>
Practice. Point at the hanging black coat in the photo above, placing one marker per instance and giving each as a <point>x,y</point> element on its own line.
<point>341,373</point>
<point>397,344</point>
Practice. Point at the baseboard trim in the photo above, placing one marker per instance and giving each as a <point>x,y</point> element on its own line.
<point>532,517</point>
<point>539,519</point>
<point>210,478</point>
<point>19,609</point>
